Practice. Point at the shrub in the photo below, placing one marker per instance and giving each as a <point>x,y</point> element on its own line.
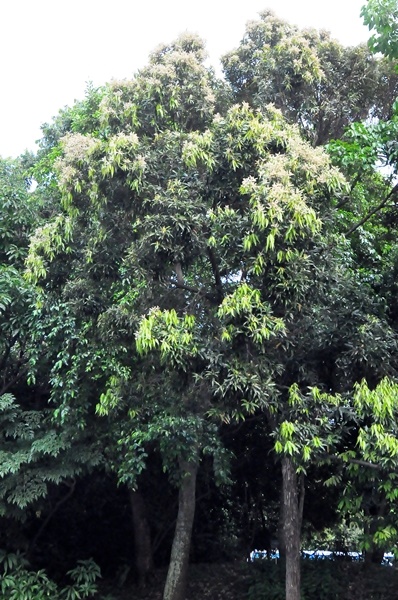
<point>18,582</point>
<point>321,580</point>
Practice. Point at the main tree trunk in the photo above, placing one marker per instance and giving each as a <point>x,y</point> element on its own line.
<point>179,560</point>
<point>291,528</point>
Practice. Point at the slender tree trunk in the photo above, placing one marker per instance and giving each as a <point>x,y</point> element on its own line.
<point>179,560</point>
<point>281,528</point>
<point>291,528</point>
<point>375,553</point>
<point>142,538</point>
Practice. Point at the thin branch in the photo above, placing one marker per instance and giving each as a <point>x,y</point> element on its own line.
<point>188,288</point>
<point>356,461</point>
<point>209,296</point>
<point>364,463</point>
<point>50,515</point>
<point>343,202</point>
<point>373,212</point>
<point>353,186</point>
<point>15,379</point>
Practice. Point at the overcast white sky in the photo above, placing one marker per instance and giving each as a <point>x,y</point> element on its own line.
<point>50,48</point>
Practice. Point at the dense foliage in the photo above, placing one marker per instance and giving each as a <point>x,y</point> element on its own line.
<point>199,319</point>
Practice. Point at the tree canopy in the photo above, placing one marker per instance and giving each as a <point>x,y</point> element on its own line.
<point>205,270</point>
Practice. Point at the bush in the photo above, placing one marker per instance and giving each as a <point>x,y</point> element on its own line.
<point>20,583</point>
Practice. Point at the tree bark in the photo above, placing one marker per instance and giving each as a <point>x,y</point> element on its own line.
<point>291,528</point>
<point>179,560</point>
<point>143,559</point>
<point>281,528</point>
<point>375,554</point>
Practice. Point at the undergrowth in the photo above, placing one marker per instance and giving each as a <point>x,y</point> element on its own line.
<point>325,580</point>
<point>19,582</point>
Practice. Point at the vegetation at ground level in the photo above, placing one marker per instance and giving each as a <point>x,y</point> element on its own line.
<point>199,326</point>
<point>264,580</point>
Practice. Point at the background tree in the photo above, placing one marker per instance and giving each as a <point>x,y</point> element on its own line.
<point>381,16</point>
<point>315,81</point>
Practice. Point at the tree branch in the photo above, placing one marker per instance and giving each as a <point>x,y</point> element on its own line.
<point>180,285</point>
<point>50,515</point>
<point>15,379</point>
<point>373,212</point>
<point>357,461</point>
<point>180,276</point>
<point>216,273</point>
<point>347,198</point>
<point>198,291</point>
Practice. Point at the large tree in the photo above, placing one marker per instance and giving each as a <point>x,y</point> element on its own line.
<point>200,236</point>
<point>202,270</point>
